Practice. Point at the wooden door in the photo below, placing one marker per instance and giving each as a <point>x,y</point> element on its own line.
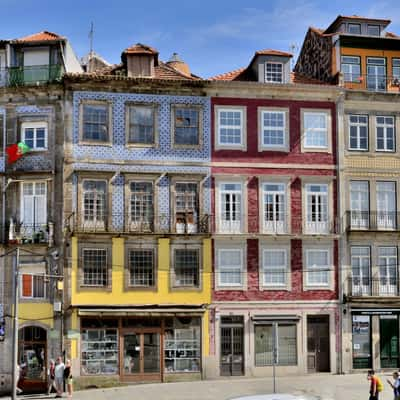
<point>318,346</point>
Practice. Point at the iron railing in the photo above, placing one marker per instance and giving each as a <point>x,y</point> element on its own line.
<point>32,75</point>
<point>372,220</point>
<point>366,286</point>
<point>18,232</point>
<point>371,82</point>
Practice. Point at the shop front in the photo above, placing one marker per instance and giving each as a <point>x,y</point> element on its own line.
<point>142,348</point>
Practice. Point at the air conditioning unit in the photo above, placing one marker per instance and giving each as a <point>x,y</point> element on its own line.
<point>57,306</point>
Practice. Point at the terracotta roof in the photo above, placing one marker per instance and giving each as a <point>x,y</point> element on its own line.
<point>228,76</point>
<point>40,37</point>
<point>140,48</point>
<point>272,52</point>
<point>164,71</point>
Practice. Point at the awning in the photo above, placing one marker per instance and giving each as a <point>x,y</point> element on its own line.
<point>142,312</point>
<point>269,319</point>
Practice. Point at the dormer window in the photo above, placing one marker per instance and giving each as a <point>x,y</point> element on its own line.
<point>354,29</point>
<point>374,30</point>
<point>273,72</point>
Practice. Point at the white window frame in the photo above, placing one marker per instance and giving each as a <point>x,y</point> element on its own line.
<point>33,275</point>
<point>231,226</point>
<point>240,269</point>
<point>326,131</point>
<point>34,183</point>
<point>385,134</point>
<point>95,223</point>
<point>275,226</point>
<point>387,281</point>
<point>322,226</point>
<point>273,73</point>
<point>329,268</point>
<point>243,122</point>
<point>358,126</point>
<point>263,129</point>
<point>35,126</point>
<point>277,269</point>
<point>360,289</point>
<point>354,76</point>
<point>360,216</point>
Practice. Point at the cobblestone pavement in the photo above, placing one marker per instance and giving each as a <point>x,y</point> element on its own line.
<point>320,386</point>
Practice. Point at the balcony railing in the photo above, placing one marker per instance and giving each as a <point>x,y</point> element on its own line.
<point>372,220</point>
<point>32,75</point>
<point>377,287</point>
<point>371,82</point>
<point>17,232</point>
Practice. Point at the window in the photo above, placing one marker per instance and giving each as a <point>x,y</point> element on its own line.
<point>315,130</point>
<point>360,268</point>
<point>396,70</point>
<point>318,267</point>
<point>358,132</point>
<point>186,123</point>
<point>386,205</point>
<point>359,204</point>
<point>374,30</point>
<point>95,271</point>
<point>95,127</point>
<point>141,267</point>
<point>34,209</point>
<point>33,286</point>
<point>273,72</point>
<point>351,68</point>
<point>376,73</point>
<point>275,267</point>
<point>141,125</point>
<point>361,342</point>
<point>354,29</point>
<point>273,129</point>
<point>286,345</point>
<point>34,135</point>
<point>385,134</point>
<point>317,208</point>
<point>387,261</point>
<point>230,207</point>
<point>230,128</point>
<point>230,267</point>
<point>186,207</point>
<point>94,203</point>
<point>274,207</point>
<point>186,268</point>
<point>141,212</point>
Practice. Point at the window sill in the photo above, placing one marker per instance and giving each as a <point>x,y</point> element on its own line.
<point>328,288</point>
<point>84,288</point>
<point>94,143</point>
<point>284,288</point>
<point>185,289</point>
<point>221,147</point>
<point>187,147</point>
<point>141,146</point>
<point>316,150</point>
<point>141,289</point>
<point>282,149</point>
<point>230,288</point>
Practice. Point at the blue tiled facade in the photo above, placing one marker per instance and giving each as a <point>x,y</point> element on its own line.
<point>149,159</point>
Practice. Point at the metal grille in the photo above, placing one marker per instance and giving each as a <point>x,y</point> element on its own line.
<point>231,346</point>
<point>186,267</point>
<point>141,267</point>
<point>95,267</point>
<point>95,122</point>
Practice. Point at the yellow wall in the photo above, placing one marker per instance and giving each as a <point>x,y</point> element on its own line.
<point>162,295</point>
<point>363,54</point>
<point>41,313</point>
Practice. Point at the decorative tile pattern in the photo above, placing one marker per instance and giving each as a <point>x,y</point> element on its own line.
<point>119,150</point>
<point>33,109</point>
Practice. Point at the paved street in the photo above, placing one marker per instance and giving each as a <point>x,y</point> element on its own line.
<point>341,387</point>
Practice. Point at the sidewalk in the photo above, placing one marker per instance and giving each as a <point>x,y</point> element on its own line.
<point>322,386</point>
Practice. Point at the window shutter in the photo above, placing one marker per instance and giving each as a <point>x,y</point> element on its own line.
<point>26,285</point>
<point>27,210</point>
<point>40,210</point>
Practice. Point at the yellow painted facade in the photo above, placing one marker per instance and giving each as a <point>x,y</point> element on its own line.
<point>41,313</point>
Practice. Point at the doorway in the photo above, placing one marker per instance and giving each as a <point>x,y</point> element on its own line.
<point>141,355</point>
<point>318,346</point>
<point>389,341</point>
<point>232,346</point>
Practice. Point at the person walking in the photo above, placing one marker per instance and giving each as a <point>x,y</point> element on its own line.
<point>68,378</point>
<point>376,385</point>
<point>395,385</point>
<point>51,377</point>
<point>59,376</point>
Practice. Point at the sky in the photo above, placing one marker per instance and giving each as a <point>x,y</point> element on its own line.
<point>212,36</point>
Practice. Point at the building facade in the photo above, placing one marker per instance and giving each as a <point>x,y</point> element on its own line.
<point>275,239</point>
<point>137,205</point>
<point>364,58</point>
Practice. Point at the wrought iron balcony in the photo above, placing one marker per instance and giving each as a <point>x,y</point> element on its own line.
<point>18,232</point>
<point>372,221</point>
<point>373,287</point>
<point>371,82</point>
<point>126,223</point>
<point>33,75</point>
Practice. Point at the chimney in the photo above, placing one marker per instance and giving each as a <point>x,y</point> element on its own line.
<point>177,63</point>
<point>140,60</point>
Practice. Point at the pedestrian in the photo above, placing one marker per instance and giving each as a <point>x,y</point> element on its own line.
<point>68,378</point>
<point>59,376</point>
<point>395,385</point>
<point>51,376</point>
<point>376,385</point>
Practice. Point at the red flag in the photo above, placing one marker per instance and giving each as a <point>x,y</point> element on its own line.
<point>13,153</point>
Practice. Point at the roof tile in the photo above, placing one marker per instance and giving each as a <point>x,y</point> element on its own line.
<point>40,37</point>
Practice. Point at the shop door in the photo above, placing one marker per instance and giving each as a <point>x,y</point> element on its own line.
<point>318,354</point>
<point>389,341</point>
<point>231,346</point>
<point>141,356</point>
